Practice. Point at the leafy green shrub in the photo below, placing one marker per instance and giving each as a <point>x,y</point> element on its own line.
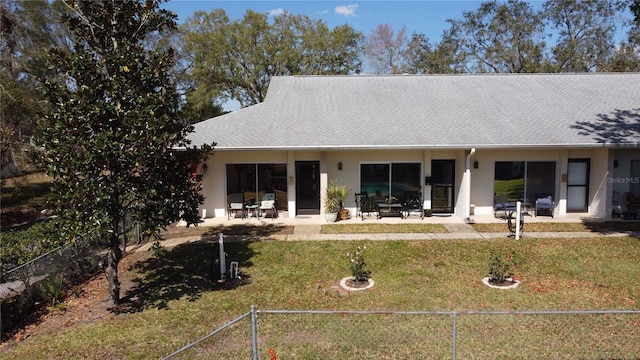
<point>358,266</point>
<point>53,288</point>
<point>501,267</point>
<point>20,246</point>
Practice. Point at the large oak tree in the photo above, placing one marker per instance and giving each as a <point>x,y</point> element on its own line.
<point>235,60</point>
<point>585,31</point>
<point>501,37</point>
<point>115,141</point>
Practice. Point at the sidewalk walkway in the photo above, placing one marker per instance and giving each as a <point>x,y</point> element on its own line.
<point>455,235</point>
<point>455,231</point>
<point>309,228</point>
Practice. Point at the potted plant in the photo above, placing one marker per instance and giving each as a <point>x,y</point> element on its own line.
<point>344,192</point>
<point>331,201</point>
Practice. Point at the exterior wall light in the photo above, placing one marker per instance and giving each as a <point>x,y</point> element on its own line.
<point>475,164</point>
<point>340,165</point>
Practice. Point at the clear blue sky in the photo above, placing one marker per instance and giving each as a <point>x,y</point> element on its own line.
<point>423,16</point>
<point>428,17</point>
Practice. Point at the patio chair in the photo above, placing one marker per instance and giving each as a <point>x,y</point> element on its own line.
<point>236,203</point>
<point>413,203</point>
<point>545,206</point>
<point>268,203</point>
<point>364,204</point>
<point>501,203</point>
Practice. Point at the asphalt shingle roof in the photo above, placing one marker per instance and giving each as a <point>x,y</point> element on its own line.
<point>434,111</point>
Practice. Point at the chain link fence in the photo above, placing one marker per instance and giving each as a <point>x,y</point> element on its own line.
<point>234,340</point>
<point>44,279</point>
<point>274,334</point>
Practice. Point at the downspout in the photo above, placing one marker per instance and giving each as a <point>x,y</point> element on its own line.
<point>467,184</point>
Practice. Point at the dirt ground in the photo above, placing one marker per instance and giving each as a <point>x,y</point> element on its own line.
<point>87,302</point>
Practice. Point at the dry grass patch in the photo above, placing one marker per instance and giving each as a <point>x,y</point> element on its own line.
<point>600,227</point>
<point>382,228</point>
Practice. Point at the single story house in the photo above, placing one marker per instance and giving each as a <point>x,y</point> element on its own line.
<point>466,142</point>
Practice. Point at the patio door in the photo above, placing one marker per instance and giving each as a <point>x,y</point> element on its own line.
<point>578,185</point>
<point>443,175</point>
<point>307,187</point>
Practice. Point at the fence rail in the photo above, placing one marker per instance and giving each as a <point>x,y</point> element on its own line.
<point>265,334</point>
<point>21,288</point>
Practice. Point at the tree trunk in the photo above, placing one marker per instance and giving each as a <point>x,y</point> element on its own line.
<point>113,259</point>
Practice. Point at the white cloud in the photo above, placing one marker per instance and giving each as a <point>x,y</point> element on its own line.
<point>346,10</point>
<point>276,12</point>
<point>323,12</point>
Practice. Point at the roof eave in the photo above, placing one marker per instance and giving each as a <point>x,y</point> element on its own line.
<point>428,147</point>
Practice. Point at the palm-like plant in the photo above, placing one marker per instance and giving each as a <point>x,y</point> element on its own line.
<point>332,197</point>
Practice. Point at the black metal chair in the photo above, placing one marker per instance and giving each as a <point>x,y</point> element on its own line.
<point>413,203</point>
<point>364,204</point>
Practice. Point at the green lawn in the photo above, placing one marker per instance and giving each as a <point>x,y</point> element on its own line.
<point>174,302</point>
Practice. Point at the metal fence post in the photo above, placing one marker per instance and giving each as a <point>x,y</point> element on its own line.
<point>453,340</point>
<point>223,265</point>
<point>254,333</point>
<point>518,217</point>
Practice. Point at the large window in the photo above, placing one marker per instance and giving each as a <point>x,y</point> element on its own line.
<point>380,180</point>
<point>255,179</point>
<point>524,181</point>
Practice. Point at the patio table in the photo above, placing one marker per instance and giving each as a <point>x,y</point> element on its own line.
<point>250,208</point>
<point>387,209</point>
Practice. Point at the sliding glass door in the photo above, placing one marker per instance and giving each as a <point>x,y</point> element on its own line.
<point>380,180</point>
<point>253,180</point>
<point>541,181</point>
<point>524,181</point>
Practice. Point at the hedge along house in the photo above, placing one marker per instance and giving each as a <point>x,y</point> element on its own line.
<point>464,141</point>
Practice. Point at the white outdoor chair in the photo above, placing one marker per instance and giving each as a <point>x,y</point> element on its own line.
<point>267,204</point>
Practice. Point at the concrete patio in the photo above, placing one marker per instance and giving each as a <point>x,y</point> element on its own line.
<point>284,219</point>
<point>308,227</point>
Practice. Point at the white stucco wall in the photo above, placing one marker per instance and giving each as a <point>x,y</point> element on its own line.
<point>214,182</point>
<point>482,178</point>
